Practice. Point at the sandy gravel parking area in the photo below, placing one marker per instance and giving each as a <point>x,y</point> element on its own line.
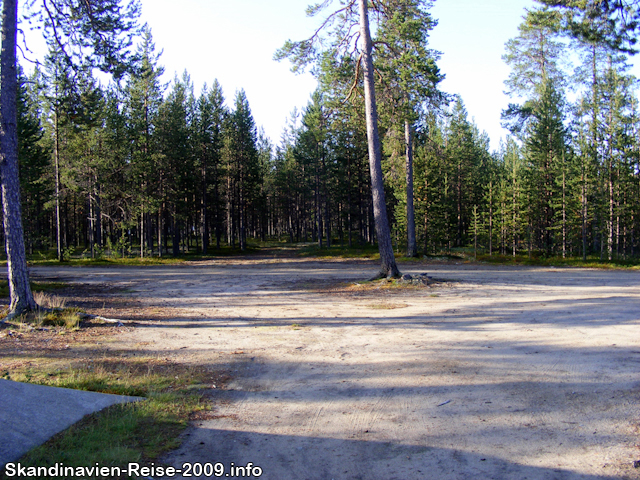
<point>495,373</point>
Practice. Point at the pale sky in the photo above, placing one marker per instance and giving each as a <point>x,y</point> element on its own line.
<point>471,35</point>
<point>234,42</point>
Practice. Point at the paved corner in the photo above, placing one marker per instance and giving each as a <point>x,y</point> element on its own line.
<point>31,414</point>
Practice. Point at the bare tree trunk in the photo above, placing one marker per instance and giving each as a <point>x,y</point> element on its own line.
<point>388,267</point>
<point>584,216</point>
<point>564,217</point>
<point>176,233</point>
<point>515,215</point>
<point>320,227</point>
<point>92,228</point>
<point>426,218</point>
<point>204,215</point>
<point>142,232</point>
<point>20,291</point>
<point>412,247</point>
<point>56,155</point>
<point>475,232</point>
<point>610,223</point>
<point>160,220</point>
<point>229,193</point>
<point>98,213</point>
<point>491,221</point>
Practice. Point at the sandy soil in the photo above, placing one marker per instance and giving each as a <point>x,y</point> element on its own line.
<point>495,373</point>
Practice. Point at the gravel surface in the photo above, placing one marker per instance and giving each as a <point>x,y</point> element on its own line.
<point>487,372</point>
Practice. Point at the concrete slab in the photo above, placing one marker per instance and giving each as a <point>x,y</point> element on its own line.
<point>31,414</point>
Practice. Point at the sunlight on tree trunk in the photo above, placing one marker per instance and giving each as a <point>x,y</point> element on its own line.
<point>20,291</point>
<point>388,266</point>
<point>412,248</point>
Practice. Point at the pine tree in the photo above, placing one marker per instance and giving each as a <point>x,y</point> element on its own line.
<point>464,153</point>
<point>176,162</point>
<point>102,30</point>
<point>354,15</point>
<point>312,150</point>
<point>33,160</point>
<point>142,100</point>
<point>614,165</point>
<point>242,170</point>
<point>614,23</point>
<point>513,165</point>
<point>207,140</point>
<point>409,79</point>
<point>21,297</point>
<point>62,104</point>
<point>545,149</point>
<point>432,188</point>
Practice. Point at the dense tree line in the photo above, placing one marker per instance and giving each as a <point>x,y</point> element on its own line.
<point>139,167</point>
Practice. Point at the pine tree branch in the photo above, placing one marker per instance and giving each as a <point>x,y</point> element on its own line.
<point>355,81</point>
<point>59,41</point>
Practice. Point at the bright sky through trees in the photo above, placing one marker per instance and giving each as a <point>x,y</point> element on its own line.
<point>471,36</point>
<point>235,42</point>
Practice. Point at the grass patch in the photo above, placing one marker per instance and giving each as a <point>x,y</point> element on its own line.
<point>48,258</point>
<point>446,257</point>
<point>578,262</point>
<point>36,286</point>
<point>100,262</point>
<point>386,306</point>
<point>55,315</point>
<point>134,432</point>
<point>389,285</point>
<point>67,318</point>
<point>368,252</point>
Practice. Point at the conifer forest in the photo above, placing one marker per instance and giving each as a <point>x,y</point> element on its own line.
<point>134,166</point>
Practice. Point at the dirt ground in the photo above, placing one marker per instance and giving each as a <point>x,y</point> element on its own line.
<point>490,373</point>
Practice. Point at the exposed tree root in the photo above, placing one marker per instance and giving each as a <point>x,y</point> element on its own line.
<point>382,274</point>
<point>18,312</point>
<point>85,316</point>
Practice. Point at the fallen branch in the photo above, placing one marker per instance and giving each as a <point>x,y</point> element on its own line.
<point>85,316</point>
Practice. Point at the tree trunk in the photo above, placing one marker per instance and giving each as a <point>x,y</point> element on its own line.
<point>92,228</point>
<point>426,217</point>
<point>564,217</point>
<point>98,215</point>
<point>204,215</point>
<point>142,232</point>
<point>160,232</point>
<point>20,291</point>
<point>412,247</point>
<point>515,212</point>
<point>56,155</point>
<point>320,227</point>
<point>176,236</point>
<point>388,266</point>
<point>584,215</point>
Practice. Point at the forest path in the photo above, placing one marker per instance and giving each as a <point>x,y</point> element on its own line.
<point>498,372</point>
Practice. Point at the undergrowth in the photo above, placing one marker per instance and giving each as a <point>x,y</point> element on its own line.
<point>124,433</point>
<point>590,262</point>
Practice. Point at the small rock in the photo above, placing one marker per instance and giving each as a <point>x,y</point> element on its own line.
<point>636,464</point>
<point>406,277</point>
